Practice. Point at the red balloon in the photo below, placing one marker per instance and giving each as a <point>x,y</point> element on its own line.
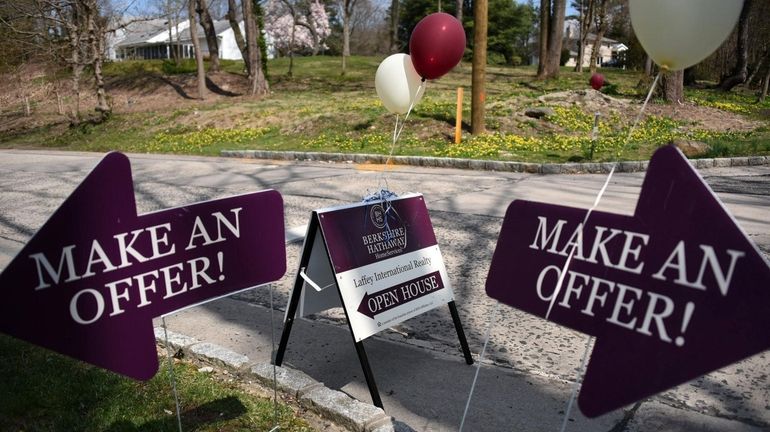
<point>437,44</point>
<point>597,81</point>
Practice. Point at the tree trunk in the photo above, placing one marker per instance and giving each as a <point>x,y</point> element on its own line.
<point>211,34</point>
<point>394,15</point>
<point>102,106</point>
<point>258,82</point>
<point>95,42</point>
<point>648,66</point>
<point>555,35</point>
<point>459,11</point>
<point>197,47</point>
<point>764,88</point>
<point>173,50</point>
<point>741,71</point>
<point>478,74</point>
<point>346,12</point>
<point>689,76</point>
<point>673,86</point>
<point>585,26</point>
<point>545,18</point>
<point>259,17</point>
<point>601,29</point>
<point>73,33</point>
<point>232,17</point>
<point>596,51</point>
<point>760,63</point>
<point>59,104</point>
<point>291,44</point>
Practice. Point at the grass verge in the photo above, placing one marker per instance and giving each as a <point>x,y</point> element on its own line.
<point>44,391</point>
<point>317,108</point>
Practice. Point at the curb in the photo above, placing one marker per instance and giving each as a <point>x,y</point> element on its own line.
<point>487,165</point>
<point>335,405</point>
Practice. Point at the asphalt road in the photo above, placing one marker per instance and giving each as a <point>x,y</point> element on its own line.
<point>466,210</point>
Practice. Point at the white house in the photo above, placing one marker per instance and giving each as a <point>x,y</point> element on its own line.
<point>150,40</point>
<point>611,52</point>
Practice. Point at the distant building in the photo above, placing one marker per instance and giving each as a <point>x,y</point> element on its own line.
<point>150,39</point>
<point>611,52</point>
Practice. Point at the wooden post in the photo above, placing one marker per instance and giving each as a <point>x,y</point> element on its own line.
<point>459,116</point>
<point>478,73</point>
<point>59,104</point>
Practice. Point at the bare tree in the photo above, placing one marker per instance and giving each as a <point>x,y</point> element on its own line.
<point>211,35</point>
<point>393,28</point>
<point>96,26</point>
<point>555,36</point>
<point>741,71</point>
<point>602,19</point>
<point>69,31</point>
<point>172,11</point>
<point>586,8</point>
<point>551,35</point>
<point>232,17</point>
<point>370,30</point>
<point>197,47</point>
<point>259,84</point>
<point>459,10</point>
<point>545,19</point>
<point>346,7</point>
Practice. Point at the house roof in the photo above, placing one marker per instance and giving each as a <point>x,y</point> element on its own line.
<point>139,32</point>
<point>219,27</point>
<point>143,32</point>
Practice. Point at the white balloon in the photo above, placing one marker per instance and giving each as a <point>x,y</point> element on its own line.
<point>680,33</point>
<point>398,84</point>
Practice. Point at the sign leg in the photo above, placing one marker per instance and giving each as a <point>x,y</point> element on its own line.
<point>292,311</point>
<point>460,333</point>
<point>296,291</point>
<point>368,375</point>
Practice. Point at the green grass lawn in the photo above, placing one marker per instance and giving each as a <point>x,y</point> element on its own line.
<point>319,109</point>
<point>43,391</point>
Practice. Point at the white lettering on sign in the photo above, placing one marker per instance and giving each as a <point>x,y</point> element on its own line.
<point>133,247</point>
<point>627,260</point>
<point>677,261</point>
<point>643,311</point>
<point>200,231</point>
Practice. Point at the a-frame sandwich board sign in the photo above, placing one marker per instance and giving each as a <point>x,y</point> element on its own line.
<point>380,261</point>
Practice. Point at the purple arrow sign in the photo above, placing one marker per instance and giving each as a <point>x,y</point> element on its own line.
<point>91,280</point>
<point>671,293</point>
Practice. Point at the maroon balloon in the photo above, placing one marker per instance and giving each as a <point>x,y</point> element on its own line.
<point>437,44</point>
<point>597,81</point>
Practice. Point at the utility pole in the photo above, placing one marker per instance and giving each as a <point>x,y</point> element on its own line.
<point>478,74</point>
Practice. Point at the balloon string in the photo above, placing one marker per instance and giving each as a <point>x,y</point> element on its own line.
<point>487,336</point>
<point>397,132</point>
<point>600,195</point>
<point>581,227</point>
<point>583,365</point>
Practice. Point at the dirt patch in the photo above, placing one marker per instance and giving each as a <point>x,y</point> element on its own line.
<point>153,92</point>
<point>692,116</point>
<point>52,101</point>
<point>705,118</point>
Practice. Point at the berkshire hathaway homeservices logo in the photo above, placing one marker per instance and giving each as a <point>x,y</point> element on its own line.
<point>390,239</point>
